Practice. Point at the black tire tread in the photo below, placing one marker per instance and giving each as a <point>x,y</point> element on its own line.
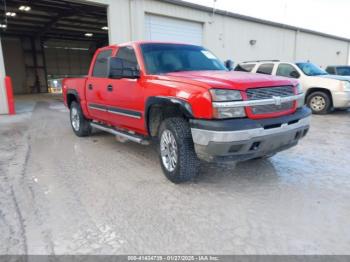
<point>85,127</point>
<point>328,107</point>
<point>188,162</point>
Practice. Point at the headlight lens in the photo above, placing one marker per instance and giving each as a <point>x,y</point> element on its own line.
<point>300,101</point>
<point>223,95</point>
<point>229,112</point>
<point>299,88</point>
<point>346,85</point>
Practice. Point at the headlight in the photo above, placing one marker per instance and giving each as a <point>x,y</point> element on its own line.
<point>346,85</point>
<point>299,89</point>
<point>300,101</point>
<point>223,95</point>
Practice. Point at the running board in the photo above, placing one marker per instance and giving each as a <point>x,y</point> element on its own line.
<point>131,137</point>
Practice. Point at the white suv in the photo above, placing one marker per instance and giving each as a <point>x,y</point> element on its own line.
<point>322,91</point>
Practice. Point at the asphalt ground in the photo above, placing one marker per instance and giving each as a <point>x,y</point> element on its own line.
<point>61,194</point>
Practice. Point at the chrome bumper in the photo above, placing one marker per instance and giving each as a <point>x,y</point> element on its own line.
<point>241,145</point>
<point>204,137</point>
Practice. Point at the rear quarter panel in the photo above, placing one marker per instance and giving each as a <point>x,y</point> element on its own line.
<point>76,86</point>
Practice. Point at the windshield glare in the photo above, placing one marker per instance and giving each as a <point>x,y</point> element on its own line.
<point>311,69</point>
<point>166,58</point>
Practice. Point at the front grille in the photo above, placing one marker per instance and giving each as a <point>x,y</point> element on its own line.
<point>269,92</point>
<point>266,109</point>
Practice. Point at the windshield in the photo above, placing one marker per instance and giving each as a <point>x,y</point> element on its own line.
<point>343,71</point>
<point>166,58</point>
<point>310,69</point>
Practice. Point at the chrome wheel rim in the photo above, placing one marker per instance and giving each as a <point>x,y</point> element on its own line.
<point>168,150</point>
<point>75,119</point>
<point>318,103</point>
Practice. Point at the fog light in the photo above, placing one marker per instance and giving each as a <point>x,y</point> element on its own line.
<point>229,112</point>
<point>255,146</point>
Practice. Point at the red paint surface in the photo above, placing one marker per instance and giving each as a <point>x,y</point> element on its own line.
<point>9,93</point>
<point>192,87</point>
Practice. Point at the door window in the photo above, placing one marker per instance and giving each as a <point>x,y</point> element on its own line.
<point>127,54</point>
<point>101,64</point>
<point>287,70</point>
<point>265,69</point>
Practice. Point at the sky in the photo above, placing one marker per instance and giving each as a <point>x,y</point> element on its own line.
<point>327,16</point>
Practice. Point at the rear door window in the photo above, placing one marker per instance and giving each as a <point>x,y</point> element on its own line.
<point>265,69</point>
<point>101,64</point>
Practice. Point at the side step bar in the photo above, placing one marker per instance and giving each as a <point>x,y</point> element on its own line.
<point>131,137</point>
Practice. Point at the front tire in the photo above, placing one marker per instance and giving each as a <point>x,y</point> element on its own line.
<point>177,156</point>
<point>319,102</point>
<point>80,125</point>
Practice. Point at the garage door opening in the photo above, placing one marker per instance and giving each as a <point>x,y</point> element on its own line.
<point>44,41</point>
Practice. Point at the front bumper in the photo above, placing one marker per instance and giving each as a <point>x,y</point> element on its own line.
<point>244,139</point>
<point>341,99</point>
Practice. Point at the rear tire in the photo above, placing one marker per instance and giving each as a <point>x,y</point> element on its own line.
<point>319,102</point>
<point>80,125</point>
<point>177,156</point>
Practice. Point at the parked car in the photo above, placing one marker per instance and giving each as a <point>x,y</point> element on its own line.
<point>338,70</point>
<point>183,97</point>
<point>55,86</point>
<point>322,90</point>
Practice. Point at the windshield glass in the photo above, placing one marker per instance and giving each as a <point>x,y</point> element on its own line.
<point>311,69</point>
<point>166,58</point>
<point>344,70</point>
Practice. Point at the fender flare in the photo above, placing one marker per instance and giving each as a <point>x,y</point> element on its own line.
<point>72,92</point>
<point>183,105</point>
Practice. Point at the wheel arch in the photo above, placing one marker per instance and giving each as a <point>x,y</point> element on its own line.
<point>158,108</point>
<point>72,95</point>
<point>318,89</point>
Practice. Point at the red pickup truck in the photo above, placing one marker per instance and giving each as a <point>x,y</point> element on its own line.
<point>184,99</point>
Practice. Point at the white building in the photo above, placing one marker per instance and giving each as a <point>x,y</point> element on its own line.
<point>50,40</point>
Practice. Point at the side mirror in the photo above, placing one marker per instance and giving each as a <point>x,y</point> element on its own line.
<point>229,64</point>
<point>294,74</point>
<point>120,68</point>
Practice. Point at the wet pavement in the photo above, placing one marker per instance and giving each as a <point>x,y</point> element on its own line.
<point>60,194</point>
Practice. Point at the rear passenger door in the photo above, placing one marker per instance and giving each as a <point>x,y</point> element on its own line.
<point>96,93</point>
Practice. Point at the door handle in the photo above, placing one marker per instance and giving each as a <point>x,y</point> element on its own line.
<point>90,86</point>
<point>109,88</point>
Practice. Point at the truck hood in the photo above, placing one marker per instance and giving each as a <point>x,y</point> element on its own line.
<point>230,79</point>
